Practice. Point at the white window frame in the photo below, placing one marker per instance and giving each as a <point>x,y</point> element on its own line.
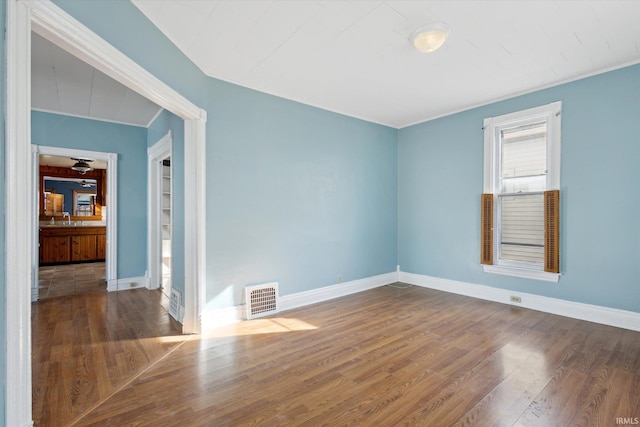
<point>551,114</point>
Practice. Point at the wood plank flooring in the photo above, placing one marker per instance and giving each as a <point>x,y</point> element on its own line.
<point>386,357</point>
<point>86,346</point>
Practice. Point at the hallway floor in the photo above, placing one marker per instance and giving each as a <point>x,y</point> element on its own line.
<point>71,279</point>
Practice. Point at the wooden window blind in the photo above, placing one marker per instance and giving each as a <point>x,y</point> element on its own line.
<point>552,231</point>
<point>486,232</point>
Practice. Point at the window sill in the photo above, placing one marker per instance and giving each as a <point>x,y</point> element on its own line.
<point>520,272</point>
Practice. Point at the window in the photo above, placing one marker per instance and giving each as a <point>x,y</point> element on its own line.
<point>520,204</point>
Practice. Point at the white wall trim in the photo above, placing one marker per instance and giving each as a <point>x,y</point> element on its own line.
<point>326,293</point>
<point>591,313</point>
<point>195,226</point>
<point>158,151</point>
<point>219,317</point>
<point>54,24</point>
<point>222,316</point>
<point>522,92</point>
<point>127,283</point>
<point>35,224</point>
<point>521,272</point>
<point>18,217</point>
<point>162,148</point>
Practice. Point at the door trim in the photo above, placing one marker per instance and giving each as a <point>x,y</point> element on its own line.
<point>111,202</point>
<point>53,23</point>
<point>158,151</point>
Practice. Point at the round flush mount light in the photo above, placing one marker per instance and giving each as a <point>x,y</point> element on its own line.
<point>430,37</point>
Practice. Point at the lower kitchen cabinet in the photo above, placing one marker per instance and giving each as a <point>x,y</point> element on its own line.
<point>84,248</point>
<point>54,250</point>
<point>64,244</point>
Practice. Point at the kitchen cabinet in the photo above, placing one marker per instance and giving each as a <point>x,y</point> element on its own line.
<point>101,246</point>
<point>65,244</point>
<point>84,248</point>
<point>54,250</point>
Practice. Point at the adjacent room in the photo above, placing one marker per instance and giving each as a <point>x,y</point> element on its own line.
<point>320,213</point>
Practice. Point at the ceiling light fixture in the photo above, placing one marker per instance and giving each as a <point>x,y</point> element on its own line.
<point>430,37</point>
<point>82,166</point>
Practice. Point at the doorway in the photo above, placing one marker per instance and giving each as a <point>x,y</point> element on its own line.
<point>160,215</point>
<point>48,19</point>
<point>166,225</point>
<point>78,250</point>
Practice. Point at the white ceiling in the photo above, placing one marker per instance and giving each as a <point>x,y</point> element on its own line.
<point>61,83</point>
<point>354,57</point>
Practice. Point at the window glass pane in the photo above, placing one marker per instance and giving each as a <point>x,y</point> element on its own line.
<point>524,184</point>
<point>524,151</point>
<point>522,228</point>
<point>523,253</point>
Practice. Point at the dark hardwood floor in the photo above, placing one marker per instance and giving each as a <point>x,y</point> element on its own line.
<point>383,357</point>
<point>86,346</point>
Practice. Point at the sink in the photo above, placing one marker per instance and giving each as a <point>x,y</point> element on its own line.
<point>73,224</point>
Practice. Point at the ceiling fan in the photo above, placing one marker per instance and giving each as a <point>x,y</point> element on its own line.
<point>82,165</point>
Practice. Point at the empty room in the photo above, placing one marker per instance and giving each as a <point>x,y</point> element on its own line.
<point>367,213</point>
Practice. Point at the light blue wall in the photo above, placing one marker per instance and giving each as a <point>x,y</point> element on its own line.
<point>130,142</point>
<point>140,40</point>
<point>298,195</point>
<point>440,181</point>
<point>295,194</point>
<point>3,346</point>
<point>301,195</point>
<point>159,128</point>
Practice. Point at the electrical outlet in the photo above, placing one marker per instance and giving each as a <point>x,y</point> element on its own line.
<point>132,284</point>
<point>339,279</point>
<point>514,298</point>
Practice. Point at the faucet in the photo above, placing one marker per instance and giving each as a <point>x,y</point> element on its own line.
<point>66,214</point>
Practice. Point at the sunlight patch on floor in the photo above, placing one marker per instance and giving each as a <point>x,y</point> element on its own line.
<point>174,338</point>
<point>261,326</point>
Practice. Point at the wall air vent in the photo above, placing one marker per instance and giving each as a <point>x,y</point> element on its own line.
<point>261,300</point>
<point>175,304</point>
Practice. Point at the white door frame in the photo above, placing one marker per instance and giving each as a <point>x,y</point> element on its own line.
<point>53,23</point>
<point>111,261</point>
<point>158,151</point>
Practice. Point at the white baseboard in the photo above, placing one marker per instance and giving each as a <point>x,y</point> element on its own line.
<point>180,318</point>
<point>127,283</point>
<point>313,296</point>
<point>592,313</point>
<point>223,316</point>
